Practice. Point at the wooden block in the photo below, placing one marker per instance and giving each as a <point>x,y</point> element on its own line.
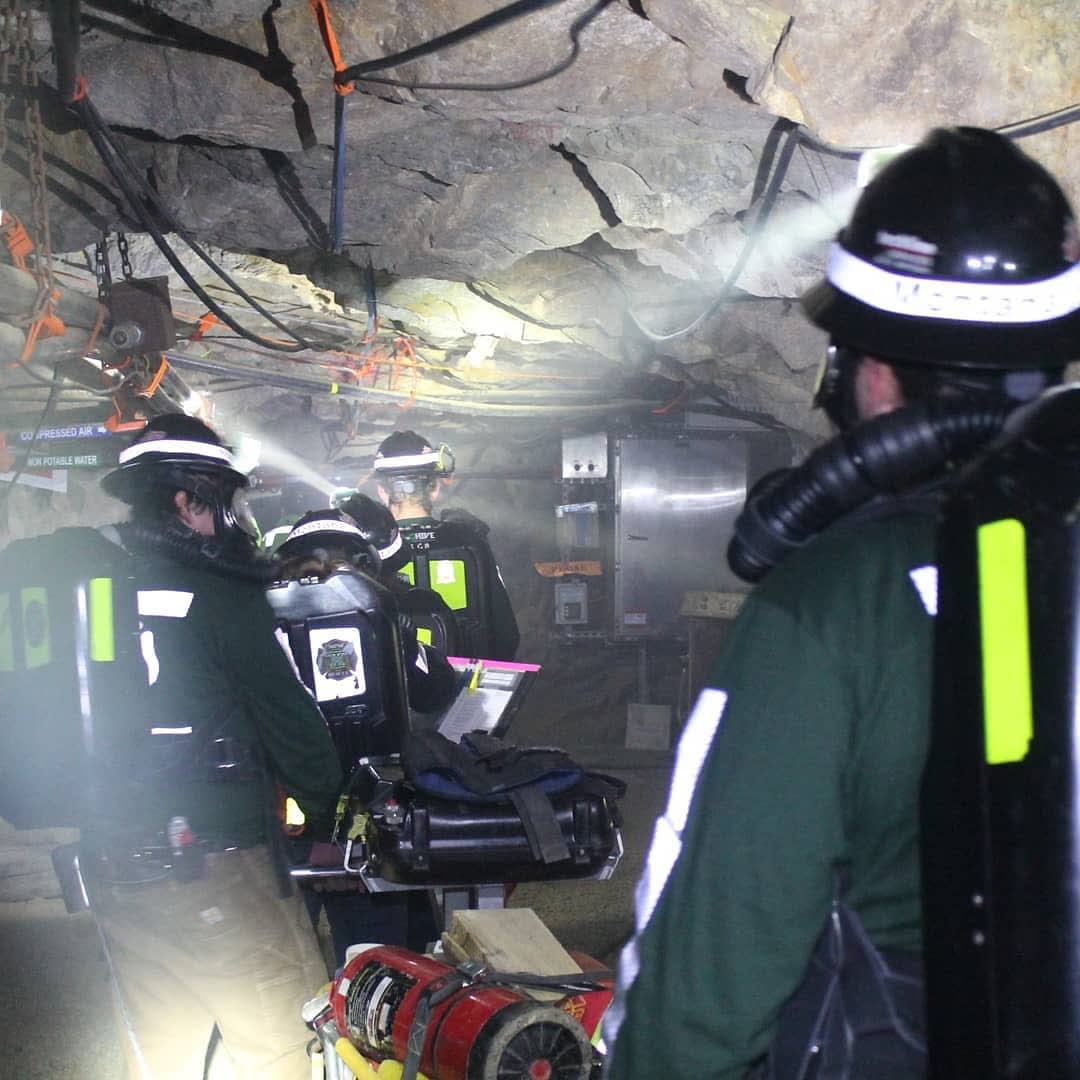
<point>508,939</point>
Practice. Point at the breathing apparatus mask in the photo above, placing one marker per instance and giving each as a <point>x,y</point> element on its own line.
<point>179,453</point>
<point>835,393</point>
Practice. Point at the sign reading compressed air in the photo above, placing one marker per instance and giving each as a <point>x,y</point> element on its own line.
<point>71,446</point>
<point>57,434</point>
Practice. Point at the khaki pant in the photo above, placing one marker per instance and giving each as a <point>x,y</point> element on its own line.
<point>222,949</point>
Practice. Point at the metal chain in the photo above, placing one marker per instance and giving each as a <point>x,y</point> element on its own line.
<point>102,271</point>
<point>16,43</point>
<point>125,262</point>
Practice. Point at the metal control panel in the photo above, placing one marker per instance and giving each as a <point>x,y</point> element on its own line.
<point>645,516</point>
<point>585,457</point>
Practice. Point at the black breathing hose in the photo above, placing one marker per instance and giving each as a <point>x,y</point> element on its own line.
<point>191,549</point>
<point>883,455</point>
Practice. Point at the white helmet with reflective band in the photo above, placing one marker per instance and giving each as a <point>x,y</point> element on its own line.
<point>407,453</point>
<point>178,452</point>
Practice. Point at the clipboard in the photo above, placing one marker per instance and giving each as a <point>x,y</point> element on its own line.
<point>490,693</point>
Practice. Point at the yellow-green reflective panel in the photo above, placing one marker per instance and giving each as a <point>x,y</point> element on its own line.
<point>102,638</point>
<point>7,641</point>
<point>37,647</point>
<point>409,571</point>
<point>423,635</point>
<point>1006,653</point>
<point>448,580</point>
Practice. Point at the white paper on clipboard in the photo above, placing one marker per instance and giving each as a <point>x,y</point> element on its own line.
<point>490,688</point>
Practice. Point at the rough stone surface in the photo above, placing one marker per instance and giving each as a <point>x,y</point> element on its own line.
<point>587,219</point>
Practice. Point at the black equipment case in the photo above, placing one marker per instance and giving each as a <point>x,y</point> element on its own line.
<point>415,824</point>
<point>424,840</point>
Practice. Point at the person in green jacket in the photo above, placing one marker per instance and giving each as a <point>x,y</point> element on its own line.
<point>451,554</point>
<point>789,849</point>
<point>201,927</point>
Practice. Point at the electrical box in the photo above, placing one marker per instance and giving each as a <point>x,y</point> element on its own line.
<point>585,457</point>
<point>645,516</point>
<point>571,603</point>
<point>141,316</point>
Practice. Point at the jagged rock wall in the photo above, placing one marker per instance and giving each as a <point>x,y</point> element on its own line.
<point>587,218</point>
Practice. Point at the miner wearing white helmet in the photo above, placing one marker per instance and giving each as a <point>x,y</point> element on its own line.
<point>201,928</point>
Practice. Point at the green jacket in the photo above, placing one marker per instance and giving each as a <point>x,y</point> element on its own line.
<point>217,669</point>
<point>806,751</point>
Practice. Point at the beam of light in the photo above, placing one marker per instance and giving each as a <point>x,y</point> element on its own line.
<point>251,451</point>
<point>791,233</point>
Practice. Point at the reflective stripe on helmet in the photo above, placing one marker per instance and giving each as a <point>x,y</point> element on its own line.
<point>429,458</point>
<point>324,525</point>
<point>391,549</point>
<point>218,455</point>
<point>962,301</point>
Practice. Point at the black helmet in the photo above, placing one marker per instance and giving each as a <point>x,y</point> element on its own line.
<point>175,452</point>
<point>962,253</point>
<point>404,453</point>
<point>377,526</point>
<point>327,530</point>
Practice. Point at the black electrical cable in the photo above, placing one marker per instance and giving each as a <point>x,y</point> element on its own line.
<point>109,149</point>
<point>465,404</point>
<point>767,202</point>
<point>337,190</point>
<point>122,170</point>
<point>104,392</point>
<point>64,25</point>
<point>1038,124</point>
<point>462,33</point>
<point>1019,129</point>
<point>576,27</point>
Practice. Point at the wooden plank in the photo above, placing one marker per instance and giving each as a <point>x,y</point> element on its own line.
<point>508,939</point>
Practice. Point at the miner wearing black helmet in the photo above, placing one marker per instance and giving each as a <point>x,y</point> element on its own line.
<point>207,934</point>
<point>361,539</point>
<point>323,542</point>
<point>451,554</point>
<point>779,918</point>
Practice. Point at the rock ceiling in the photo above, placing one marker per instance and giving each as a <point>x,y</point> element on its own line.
<point>598,205</point>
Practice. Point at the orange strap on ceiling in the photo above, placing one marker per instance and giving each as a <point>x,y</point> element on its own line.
<point>403,346</point>
<point>46,325</point>
<point>150,388</point>
<point>18,243</point>
<point>205,323</point>
<point>102,315</point>
<point>321,10</point>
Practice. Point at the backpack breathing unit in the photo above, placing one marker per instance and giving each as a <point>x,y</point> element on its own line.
<point>1001,791</point>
